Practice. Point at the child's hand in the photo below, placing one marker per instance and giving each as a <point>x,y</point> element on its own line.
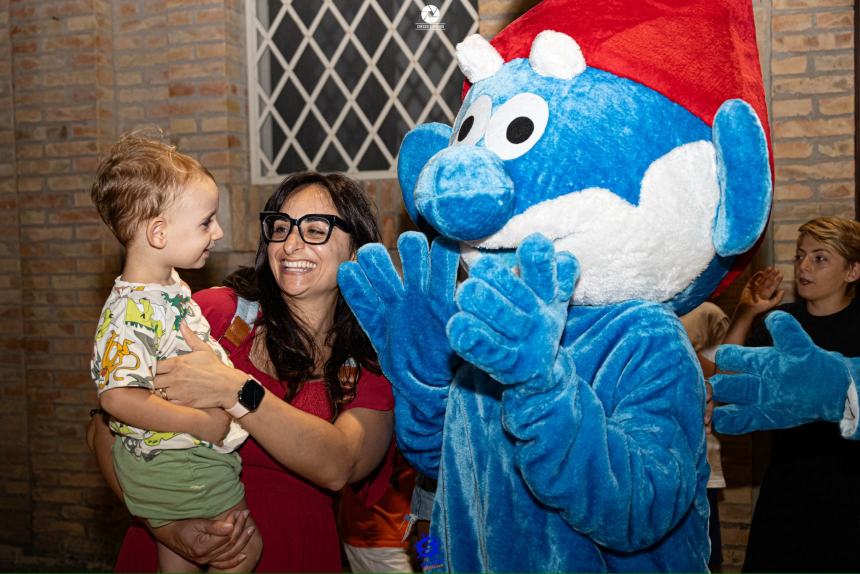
<point>215,427</point>
<point>762,292</point>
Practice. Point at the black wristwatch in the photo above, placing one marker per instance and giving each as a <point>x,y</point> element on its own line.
<point>248,399</point>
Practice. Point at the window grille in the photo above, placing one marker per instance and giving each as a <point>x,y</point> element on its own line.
<point>334,85</point>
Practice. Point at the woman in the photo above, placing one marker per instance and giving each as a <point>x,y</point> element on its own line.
<point>324,417</point>
<point>805,519</point>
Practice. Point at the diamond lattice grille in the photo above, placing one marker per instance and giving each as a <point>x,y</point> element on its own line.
<point>334,85</point>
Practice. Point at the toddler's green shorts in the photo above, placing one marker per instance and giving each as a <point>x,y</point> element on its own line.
<point>176,484</point>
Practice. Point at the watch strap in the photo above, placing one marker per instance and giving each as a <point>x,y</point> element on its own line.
<point>237,411</point>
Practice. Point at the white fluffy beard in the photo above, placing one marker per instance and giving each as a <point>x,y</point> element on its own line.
<point>651,252</point>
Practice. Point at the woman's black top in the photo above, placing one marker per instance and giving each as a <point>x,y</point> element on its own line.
<point>807,518</point>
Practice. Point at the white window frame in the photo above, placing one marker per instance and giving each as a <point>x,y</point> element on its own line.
<point>257,116</point>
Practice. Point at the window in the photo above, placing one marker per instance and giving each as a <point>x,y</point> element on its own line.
<point>335,84</point>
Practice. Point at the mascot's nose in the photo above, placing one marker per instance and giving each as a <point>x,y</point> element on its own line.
<point>465,193</point>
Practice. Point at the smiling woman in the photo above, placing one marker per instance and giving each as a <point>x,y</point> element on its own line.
<point>308,384</point>
<point>296,279</point>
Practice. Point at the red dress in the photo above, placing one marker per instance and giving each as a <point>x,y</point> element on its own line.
<point>294,517</point>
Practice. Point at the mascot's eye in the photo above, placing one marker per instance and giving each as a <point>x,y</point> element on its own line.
<point>517,126</point>
<point>520,129</point>
<point>474,122</point>
<point>465,127</point>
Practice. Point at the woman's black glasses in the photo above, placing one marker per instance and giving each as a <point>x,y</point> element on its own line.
<point>314,228</point>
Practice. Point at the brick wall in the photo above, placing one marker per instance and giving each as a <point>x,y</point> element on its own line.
<point>813,116</point>
<point>56,62</point>
<point>15,492</point>
<point>74,74</point>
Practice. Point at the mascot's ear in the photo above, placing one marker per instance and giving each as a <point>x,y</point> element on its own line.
<point>743,172</point>
<point>417,148</point>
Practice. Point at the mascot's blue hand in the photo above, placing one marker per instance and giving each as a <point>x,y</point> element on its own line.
<point>508,325</point>
<point>405,320</point>
<point>792,383</point>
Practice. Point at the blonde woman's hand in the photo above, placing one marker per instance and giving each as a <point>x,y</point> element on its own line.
<point>762,292</point>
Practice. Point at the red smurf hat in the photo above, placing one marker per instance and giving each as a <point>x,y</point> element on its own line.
<point>697,53</point>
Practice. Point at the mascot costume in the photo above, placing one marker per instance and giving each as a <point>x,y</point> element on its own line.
<point>608,169</point>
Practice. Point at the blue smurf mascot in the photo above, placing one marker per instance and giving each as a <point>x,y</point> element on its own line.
<point>608,167</point>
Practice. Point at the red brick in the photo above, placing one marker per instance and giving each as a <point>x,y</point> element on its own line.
<point>75,215</point>
<point>834,20</point>
<point>134,25</point>
<point>781,4</point>
<point>93,232</point>
<point>791,22</point>
<point>836,105</point>
<point>48,265</point>
<point>182,90</point>
<point>212,88</point>
<point>791,149</point>
<point>843,148</point>
<point>70,42</point>
<point>785,66</point>
<point>813,128</point>
<point>812,85</point>
<point>68,495</point>
<point>196,34</point>
<point>214,50</point>
<point>208,16</point>
<point>64,9</point>
<point>44,200</point>
<point>819,170</point>
<point>806,43</point>
<point>28,47</point>
<point>843,190</point>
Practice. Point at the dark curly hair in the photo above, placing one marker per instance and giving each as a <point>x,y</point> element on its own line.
<point>291,347</point>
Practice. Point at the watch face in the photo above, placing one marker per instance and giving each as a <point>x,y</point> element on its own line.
<point>251,394</point>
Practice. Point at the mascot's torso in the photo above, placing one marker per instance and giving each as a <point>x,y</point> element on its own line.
<point>486,518</point>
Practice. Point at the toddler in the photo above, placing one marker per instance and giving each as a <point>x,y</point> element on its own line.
<point>173,462</point>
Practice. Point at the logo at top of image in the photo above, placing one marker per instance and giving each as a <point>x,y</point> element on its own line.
<point>430,14</point>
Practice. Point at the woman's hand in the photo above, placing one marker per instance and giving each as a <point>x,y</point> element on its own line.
<point>198,379</point>
<point>100,440</point>
<point>217,543</point>
<point>762,292</point>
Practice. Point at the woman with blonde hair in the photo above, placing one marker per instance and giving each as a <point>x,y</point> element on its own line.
<point>806,515</point>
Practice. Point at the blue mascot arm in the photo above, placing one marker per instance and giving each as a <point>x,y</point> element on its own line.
<point>790,384</point>
<point>624,478</point>
<point>405,321</point>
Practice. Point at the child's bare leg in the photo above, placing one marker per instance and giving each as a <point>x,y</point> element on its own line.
<point>254,547</point>
<point>170,561</point>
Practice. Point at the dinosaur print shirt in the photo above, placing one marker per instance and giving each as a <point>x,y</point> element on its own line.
<point>139,326</point>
